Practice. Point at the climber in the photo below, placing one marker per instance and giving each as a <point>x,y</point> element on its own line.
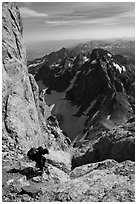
<point>36,154</point>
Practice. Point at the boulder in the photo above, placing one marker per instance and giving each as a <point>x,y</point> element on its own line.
<point>106,181</point>
<point>31,191</point>
<point>118,144</point>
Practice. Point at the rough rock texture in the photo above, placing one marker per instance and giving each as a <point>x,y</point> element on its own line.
<point>24,178</point>
<point>118,144</point>
<point>20,115</point>
<point>105,181</point>
<point>26,123</point>
<point>24,115</point>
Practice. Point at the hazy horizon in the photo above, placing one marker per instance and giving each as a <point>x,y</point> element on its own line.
<point>47,21</point>
<point>40,49</point>
<point>48,26</point>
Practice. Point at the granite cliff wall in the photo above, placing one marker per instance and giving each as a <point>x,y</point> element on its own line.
<point>23,124</point>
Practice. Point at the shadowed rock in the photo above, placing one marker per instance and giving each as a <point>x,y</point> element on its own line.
<point>36,154</point>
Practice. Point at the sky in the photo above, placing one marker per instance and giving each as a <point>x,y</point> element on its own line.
<point>48,21</point>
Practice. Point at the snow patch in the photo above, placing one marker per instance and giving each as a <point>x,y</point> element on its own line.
<point>109,54</point>
<point>94,62</point>
<point>36,64</point>
<point>51,107</point>
<point>108,117</point>
<point>90,106</point>
<point>31,65</point>
<point>117,67</point>
<point>95,114</point>
<point>124,69</point>
<point>85,59</point>
<point>56,65</point>
<point>69,64</point>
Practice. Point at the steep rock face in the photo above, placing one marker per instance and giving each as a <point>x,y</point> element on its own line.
<point>24,119</point>
<point>24,115</point>
<point>20,115</point>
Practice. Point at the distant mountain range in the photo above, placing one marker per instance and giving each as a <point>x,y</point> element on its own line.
<point>125,48</point>
<point>88,86</point>
<point>37,50</point>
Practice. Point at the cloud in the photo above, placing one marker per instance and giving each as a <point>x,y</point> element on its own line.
<point>55,22</point>
<point>28,13</point>
<point>108,20</point>
<point>58,20</point>
<point>77,22</point>
<point>90,10</point>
